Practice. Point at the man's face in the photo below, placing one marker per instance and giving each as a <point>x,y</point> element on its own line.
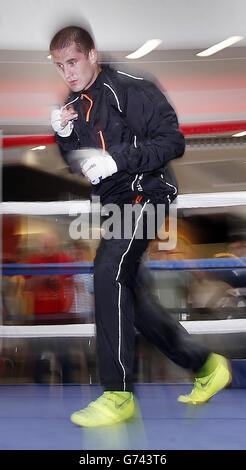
<point>77,70</point>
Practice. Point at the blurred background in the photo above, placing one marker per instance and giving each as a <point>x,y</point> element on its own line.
<point>203,278</point>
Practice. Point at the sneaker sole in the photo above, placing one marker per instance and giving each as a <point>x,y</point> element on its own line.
<point>97,425</point>
<point>192,402</point>
<point>101,424</point>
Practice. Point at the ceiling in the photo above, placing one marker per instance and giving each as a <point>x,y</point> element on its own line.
<point>118,25</point>
<point>202,90</point>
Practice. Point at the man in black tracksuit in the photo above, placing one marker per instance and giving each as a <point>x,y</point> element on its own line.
<point>132,122</point>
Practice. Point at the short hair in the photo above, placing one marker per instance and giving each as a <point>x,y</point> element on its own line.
<point>66,36</point>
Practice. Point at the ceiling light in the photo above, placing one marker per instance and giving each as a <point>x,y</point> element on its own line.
<point>221,45</point>
<point>41,147</point>
<point>239,134</point>
<point>147,47</point>
<point>48,57</point>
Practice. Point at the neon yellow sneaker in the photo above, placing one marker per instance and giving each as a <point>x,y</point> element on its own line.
<point>110,408</point>
<point>205,387</point>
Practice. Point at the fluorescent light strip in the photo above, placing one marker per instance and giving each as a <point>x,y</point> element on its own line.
<point>239,134</point>
<point>221,45</point>
<point>40,147</point>
<point>147,47</point>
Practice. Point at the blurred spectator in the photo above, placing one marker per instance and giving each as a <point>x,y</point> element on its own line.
<point>183,233</point>
<point>236,248</point>
<point>83,305</point>
<point>15,301</point>
<point>172,286</point>
<point>207,291</point>
<point>50,293</point>
<point>16,304</point>
<point>183,250</point>
<point>221,289</point>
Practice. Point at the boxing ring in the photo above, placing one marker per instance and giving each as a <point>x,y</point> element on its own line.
<point>36,416</point>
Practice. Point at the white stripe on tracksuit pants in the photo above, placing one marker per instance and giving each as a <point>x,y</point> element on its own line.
<point>123,301</point>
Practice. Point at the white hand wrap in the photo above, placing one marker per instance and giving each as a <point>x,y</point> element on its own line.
<point>56,124</point>
<point>97,168</point>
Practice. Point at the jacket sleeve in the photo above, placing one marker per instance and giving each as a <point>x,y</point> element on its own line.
<point>157,137</point>
<point>66,144</point>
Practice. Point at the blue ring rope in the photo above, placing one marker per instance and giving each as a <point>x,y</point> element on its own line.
<point>212,264</point>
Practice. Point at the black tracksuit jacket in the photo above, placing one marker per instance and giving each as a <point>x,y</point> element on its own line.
<point>132,119</point>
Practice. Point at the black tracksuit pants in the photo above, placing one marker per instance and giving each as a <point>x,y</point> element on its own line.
<point>123,302</point>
